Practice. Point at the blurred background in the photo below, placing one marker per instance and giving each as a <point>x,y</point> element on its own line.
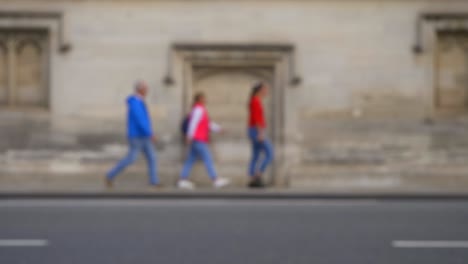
<point>365,95</point>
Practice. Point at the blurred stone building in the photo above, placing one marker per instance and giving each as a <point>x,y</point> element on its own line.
<point>364,93</point>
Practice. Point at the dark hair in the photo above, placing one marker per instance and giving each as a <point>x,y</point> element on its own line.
<point>197,97</point>
<point>256,89</point>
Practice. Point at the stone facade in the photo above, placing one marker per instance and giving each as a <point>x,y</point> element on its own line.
<point>348,86</point>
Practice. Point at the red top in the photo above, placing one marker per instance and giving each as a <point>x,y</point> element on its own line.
<point>257,117</point>
<point>199,126</point>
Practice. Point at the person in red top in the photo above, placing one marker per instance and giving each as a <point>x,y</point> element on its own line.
<point>198,138</point>
<point>260,144</point>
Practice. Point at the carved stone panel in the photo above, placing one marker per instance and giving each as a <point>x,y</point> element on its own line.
<point>29,74</point>
<point>23,68</point>
<point>3,71</point>
<point>452,72</point>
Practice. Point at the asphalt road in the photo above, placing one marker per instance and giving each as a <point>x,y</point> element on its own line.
<point>218,232</point>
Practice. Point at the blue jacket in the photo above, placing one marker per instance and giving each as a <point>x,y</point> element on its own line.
<point>138,119</point>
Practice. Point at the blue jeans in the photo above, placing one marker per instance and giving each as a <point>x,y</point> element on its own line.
<point>258,147</point>
<point>198,150</point>
<point>135,146</point>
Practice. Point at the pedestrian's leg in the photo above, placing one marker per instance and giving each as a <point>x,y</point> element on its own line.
<point>133,150</point>
<point>267,148</point>
<point>204,152</point>
<point>189,161</point>
<point>255,152</point>
<point>151,160</point>
<point>256,149</point>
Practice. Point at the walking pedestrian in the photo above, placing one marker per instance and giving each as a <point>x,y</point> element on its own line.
<point>257,135</point>
<point>198,138</point>
<point>140,136</point>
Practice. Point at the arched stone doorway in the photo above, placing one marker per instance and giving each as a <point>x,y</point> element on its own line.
<point>228,90</point>
<point>226,74</point>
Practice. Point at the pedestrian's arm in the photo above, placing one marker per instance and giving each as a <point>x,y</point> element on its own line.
<point>214,127</point>
<point>195,119</point>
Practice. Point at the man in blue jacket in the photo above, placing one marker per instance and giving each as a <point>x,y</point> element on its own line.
<point>140,136</point>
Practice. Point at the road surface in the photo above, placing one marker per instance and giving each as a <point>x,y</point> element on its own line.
<point>229,231</point>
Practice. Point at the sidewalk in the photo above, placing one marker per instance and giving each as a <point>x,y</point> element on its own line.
<point>233,194</point>
<point>136,188</point>
<point>338,183</point>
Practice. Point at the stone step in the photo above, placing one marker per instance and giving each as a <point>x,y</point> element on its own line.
<point>378,177</point>
<point>72,175</point>
<point>353,156</point>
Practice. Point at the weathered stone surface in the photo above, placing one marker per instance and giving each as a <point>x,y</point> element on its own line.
<point>362,98</point>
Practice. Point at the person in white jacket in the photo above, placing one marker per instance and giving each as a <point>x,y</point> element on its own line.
<point>198,138</point>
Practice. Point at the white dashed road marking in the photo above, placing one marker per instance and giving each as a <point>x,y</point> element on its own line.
<point>429,244</point>
<point>23,243</point>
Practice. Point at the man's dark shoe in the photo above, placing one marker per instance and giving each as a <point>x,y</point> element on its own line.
<point>256,183</point>
<point>109,183</point>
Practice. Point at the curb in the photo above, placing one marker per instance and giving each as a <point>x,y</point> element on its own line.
<point>240,195</point>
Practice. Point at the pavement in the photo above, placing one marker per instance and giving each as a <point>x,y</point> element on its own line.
<point>269,231</point>
<point>136,186</point>
<point>338,181</point>
<point>231,194</point>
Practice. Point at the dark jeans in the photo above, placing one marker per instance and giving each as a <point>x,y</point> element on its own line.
<point>259,164</point>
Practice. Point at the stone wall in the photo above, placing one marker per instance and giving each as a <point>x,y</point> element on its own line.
<point>354,59</point>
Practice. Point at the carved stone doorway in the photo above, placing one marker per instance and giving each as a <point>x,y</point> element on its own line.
<point>226,75</point>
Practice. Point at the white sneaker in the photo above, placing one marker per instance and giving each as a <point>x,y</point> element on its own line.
<point>221,182</point>
<point>185,184</point>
